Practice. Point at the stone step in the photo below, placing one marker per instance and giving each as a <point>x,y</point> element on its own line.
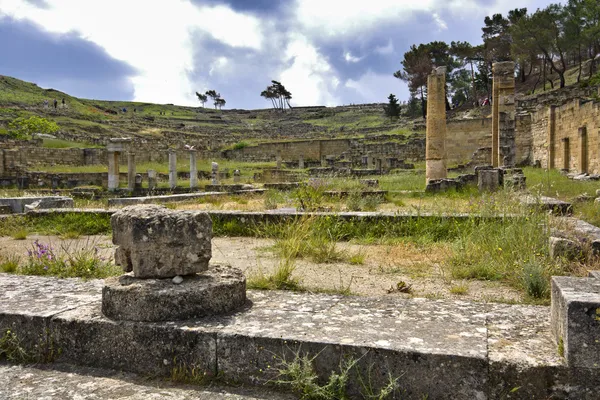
<point>443,349</point>
<point>67,382</point>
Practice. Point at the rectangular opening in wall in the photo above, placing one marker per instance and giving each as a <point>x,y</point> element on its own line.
<point>583,150</point>
<point>566,154</point>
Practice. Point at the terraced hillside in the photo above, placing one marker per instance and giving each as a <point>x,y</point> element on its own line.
<point>94,121</point>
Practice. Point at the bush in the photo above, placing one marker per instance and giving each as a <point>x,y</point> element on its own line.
<point>535,281</point>
<point>240,145</point>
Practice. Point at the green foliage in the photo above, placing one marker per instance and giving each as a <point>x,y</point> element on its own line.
<point>281,279</point>
<point>536,281</point>
<point>392,109</point>
<point>9,264</point>
<point>26,127</point>
<point>12,350</point>
<point>240,145</point>
<point>310,197</point>
<point>357,201</point>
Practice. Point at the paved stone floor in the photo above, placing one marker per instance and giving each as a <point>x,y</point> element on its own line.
<point>78,383</point>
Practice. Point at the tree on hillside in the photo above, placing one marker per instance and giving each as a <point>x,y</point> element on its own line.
<point>416,66</point>
<point>214,96</point>
<point>545,31</point>
<point>280,97</point>
<point>392,109</point>
<point>202,98</point>
<point>220,102</point>
<point>22,128</point>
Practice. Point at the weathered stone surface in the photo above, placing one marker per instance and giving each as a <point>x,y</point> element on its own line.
<point>218,290</point>
<point>435,154</point>
<point>576,320</point>
<point>558,207</point>
<point>594,274</point>
<point>564,248</point>
<point>65,382</point>
<point>446,349</point>
<point>19,204</point>
<point>155,242</point>
<point>488,180</point>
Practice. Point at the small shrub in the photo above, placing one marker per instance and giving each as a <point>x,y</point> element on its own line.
<point>12,350</point>
<point>357,258</point>
<point>310,197</point>
<point>9,264</point>
<point>460,289</point>
<point>535,281</point>
<point>240,145</point>
<point>281,279</point>
<point>20,234</point>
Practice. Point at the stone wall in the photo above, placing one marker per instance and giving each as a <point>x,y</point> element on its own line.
<point>465,137</point>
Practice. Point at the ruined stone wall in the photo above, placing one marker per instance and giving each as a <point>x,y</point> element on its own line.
<point>465,137</point>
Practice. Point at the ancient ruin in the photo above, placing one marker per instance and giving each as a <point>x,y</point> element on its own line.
<point>436,126</point>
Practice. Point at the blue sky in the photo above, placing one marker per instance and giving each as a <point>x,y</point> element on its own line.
<point>326,52</point>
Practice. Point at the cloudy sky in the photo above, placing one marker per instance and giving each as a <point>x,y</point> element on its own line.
<point>326,52</point>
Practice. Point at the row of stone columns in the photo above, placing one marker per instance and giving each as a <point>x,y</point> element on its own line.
<point>116,147</point>
<point>503,120</point>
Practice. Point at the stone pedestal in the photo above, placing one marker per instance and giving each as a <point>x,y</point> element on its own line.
<point>218,290</point>
<point>166,254</point>
<point>193,170</point>
<point>436,126</point>
<point>575,320</point>
<point>138,182</point>
<point>237,175</point>
<point>301,163</point>
<point>279,160</point>
<point>503,115</point>
<point>214,173</point>
<point>114,148</point>
<point>172,169</point>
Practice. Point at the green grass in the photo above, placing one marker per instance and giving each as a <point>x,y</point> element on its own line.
<point>65,144</point>
<point>67,225</point>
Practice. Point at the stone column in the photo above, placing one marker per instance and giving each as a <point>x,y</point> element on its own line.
<point>237,175</point>
<point>214,174</point>
<point>583,150</point>
<point>130,171</point>
<point>551,137</point>
<point>172,169</point>
<point>151,179</point>
<point>1,162</point>
<point>193,170</point>
<point>278,158</point>
<point>301,162</point>
<point>436,125</point>
<point>503,114</point>
<point>113,170</point>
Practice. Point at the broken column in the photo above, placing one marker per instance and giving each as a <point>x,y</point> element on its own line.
<point>172,169</point>
<point>436,125</point>
<point>214,174</point>
<point>193,170</point>
<point>301,162</point>
<point>131,171</point>
<point>166,256</point>
<point>503,115</point>
<point>237,176</point>
<point>279,160</point>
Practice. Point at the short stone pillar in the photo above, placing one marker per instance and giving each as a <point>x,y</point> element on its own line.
<point>575,319</point>
<point>151,179</point>
<point>301,162</point>
<point>172,169</point>
<point>279,160</point>
<point>166,254</point>
<point>131,171</point>
<point>488,180</point>
<point>193,170</point>
<point>435,157</point>
<point>503,114</point>
<point>323,161</point>
<point>138,182</point>
<point>214,174</point>
<point>237,176</point>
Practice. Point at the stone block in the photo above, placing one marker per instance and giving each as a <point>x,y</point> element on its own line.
<point>488,180</point>
<point>217,291</point>
<point>575,320</point>
<point>155,242</point>
<point>20,204</point>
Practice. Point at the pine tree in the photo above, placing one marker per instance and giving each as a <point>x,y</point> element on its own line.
<point>392,109</point>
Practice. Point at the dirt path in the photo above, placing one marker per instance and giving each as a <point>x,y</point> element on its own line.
<point>384,266</point>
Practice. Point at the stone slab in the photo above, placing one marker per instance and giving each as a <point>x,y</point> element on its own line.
<point>18,204</point>
<point>576,320</point>
<point>219,290</point>
<point>65,382</point>
<point>557,207</point>
<point>173,198</point>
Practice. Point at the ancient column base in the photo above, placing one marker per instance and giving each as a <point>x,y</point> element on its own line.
<point>219,290</point>
<point>436,169</point>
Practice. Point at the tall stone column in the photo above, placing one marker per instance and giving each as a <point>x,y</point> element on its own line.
<point>503,114</point>
<point>172,169</point>
<point>151,179</point>
<point>301,162</point>
<point>130,171</point>
<point>583,150</point>
<point>113,170</point>
<point>193,170</point>
<point>436,125</point>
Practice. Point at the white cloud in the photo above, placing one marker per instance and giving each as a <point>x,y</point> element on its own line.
<point>155,37</point>
<point>351,59</point>
<point>385,50</point>
<point>375,88</point>
<point>309,77</point>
